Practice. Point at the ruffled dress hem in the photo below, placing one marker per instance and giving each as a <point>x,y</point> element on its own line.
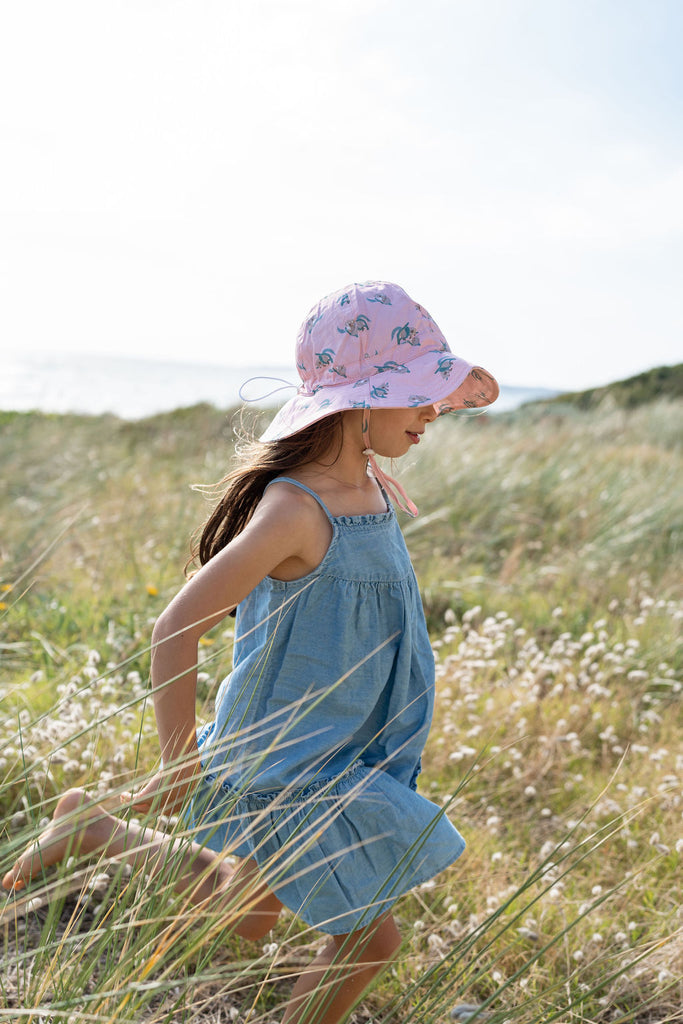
<point>337,852</point>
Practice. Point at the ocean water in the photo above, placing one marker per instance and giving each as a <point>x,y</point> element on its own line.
<point>136,388</point>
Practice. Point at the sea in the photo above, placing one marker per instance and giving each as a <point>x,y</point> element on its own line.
<point>133,389</point>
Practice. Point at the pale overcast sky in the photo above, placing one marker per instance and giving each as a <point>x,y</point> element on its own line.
<point>182,180</point>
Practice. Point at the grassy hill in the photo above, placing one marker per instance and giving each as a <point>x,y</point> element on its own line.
<point>660,382</point>
<point>549,552</point>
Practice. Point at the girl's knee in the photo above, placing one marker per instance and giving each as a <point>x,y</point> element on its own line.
<point>72,800</point>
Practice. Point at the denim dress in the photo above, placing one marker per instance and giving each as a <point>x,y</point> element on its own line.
<point>311,764</point>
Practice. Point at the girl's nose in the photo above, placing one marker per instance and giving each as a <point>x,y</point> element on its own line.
<point>429,413</point>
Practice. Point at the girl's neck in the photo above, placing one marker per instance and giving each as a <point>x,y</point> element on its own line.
<point>341,477</point>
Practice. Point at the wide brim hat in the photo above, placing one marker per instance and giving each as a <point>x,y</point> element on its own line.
<point>370,346</point>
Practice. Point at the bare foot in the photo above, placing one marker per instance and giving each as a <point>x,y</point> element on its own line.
<point>78,826</point>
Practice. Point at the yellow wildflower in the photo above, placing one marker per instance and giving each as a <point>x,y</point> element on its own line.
<point>152,590</point>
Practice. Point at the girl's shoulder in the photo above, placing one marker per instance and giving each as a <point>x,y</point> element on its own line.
<point>304,520</point>
<point>287,497</point>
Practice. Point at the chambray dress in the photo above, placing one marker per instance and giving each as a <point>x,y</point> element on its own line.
<point>311,763</point>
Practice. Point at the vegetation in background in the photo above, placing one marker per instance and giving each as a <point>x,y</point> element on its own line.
<point>650,386</point>
<point>549,553</point>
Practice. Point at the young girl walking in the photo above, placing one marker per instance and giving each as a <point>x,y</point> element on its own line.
<point>308,772</point>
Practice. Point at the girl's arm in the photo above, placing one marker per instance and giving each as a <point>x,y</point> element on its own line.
<point>287,530</point>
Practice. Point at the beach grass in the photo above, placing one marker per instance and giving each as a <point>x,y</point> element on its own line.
<point>549,553</point>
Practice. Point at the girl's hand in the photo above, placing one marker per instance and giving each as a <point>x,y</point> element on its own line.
<point>167,790</point>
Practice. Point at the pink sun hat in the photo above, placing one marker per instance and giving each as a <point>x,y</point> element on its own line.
<point>370,346</point>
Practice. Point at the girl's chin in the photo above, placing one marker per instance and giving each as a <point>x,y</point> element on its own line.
<point>394,453</point>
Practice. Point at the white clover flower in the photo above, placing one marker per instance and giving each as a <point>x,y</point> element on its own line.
<point>463,752</point>
<point>637,676</point>
<point>99,883</point>
<point>436,945</point>
<point>658,845</point>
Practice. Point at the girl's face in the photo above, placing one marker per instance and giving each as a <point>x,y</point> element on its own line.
<point>393,431</point>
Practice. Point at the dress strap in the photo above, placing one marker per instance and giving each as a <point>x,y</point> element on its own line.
<point>302,487</point>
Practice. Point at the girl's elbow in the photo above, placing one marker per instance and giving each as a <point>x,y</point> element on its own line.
<point>166,629</point>
<point>160,631</point>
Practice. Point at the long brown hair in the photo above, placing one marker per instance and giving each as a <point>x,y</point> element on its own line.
<point>261,462</point>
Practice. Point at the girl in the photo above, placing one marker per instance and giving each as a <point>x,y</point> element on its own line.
<point>309,770</point>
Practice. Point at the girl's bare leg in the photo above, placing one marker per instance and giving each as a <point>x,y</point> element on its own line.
<point>337,978</point>
<point>324,994</point>
<point>82,827</point>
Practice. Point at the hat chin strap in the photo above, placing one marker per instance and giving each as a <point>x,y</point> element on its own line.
<point>390,485</point>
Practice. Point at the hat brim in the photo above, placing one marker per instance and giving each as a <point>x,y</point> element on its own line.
<point>434,378</point>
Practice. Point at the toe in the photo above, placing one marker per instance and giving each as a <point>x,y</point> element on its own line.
<point>12,882</point>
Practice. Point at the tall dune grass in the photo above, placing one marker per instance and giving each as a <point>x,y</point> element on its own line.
<point>549,552</point>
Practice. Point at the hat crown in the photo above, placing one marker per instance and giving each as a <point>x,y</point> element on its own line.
<point>371,346</point>
<point>361,331</point>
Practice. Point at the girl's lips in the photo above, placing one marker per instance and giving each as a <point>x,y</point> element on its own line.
<point>415,438</point>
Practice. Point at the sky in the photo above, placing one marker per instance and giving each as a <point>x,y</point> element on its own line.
<point>183,179</point>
